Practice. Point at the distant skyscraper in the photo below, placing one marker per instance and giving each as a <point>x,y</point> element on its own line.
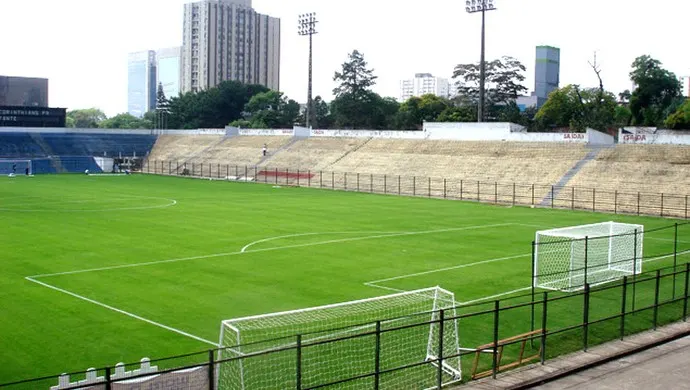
<point>228,40</point>
<point>424,84</point>
<point>547,71</point>
<point>141,84</point>
<point>168,70</point>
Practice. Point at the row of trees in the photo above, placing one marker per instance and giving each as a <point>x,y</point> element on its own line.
<point>656,101</point>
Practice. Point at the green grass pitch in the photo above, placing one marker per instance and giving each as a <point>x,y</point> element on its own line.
<point>168,252</point>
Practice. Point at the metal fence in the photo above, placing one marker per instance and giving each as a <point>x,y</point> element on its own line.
<point>538,195</point>
<point>565,323</point>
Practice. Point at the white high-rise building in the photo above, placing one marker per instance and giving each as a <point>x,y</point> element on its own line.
<point>228,40</point>
<point>685,85</point>
<point>424,84</point>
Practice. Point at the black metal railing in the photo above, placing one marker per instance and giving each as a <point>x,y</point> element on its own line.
<point>537,195</point>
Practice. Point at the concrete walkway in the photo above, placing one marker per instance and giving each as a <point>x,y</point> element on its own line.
<point>575,367</point>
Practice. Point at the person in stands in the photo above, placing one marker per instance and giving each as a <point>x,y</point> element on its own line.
<point>264,150</point>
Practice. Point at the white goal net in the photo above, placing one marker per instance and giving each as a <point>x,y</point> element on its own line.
<point>339,342</point>
<point>566,259</point>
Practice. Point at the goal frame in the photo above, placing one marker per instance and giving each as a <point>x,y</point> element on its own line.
<point>26,161</point>
<point>578,242</point>
<point>433,320</point>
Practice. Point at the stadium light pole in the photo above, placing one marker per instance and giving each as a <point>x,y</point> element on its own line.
<point>307,27</point>
<point>474,6</point>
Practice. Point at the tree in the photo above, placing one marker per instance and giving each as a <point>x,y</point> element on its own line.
<point>417,110</point>
<point>624,97</point>
<point>126,121</point>
<point>322,112</point>
<point>680,119</point>
<point>355,79</point>
<point>211,108</point>
<point>657,89</point>
<point>355,106</point>
<point>162,109</point>
<point>88,118</point>
<point>504,78</point>
<point>270,110</point>
<point>577,109</point>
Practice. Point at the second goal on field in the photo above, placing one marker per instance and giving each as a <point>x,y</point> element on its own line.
<point>567,258</point>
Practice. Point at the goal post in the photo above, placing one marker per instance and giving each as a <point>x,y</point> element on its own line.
<point>342,341</point>
<point>20,166</point>
<point>566,259</point>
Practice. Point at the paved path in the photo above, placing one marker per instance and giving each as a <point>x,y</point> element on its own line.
<point>662,367</point>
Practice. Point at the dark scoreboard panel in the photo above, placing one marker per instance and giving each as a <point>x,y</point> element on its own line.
<point>16,116</point>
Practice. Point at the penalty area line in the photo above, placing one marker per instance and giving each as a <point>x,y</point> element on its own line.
<point>128,314</point>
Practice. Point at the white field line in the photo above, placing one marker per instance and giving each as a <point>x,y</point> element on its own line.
<point>447,268</point>
<point>172,202</point>
<point>140,318</point>
<point>244,249</point>
<point>270,249</point>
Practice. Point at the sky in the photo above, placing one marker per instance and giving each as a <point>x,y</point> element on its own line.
<point>81,46</point>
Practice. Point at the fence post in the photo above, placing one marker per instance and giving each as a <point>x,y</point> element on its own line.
<point>495,192</point>
<point>585,319</point>
<point>513,193</point>
<point>594,199</point>
<point>358,182</point>
<point>532,194</point>
<point>552,196</point>
<point>634,286</point>
<point>638,203</point>
<point>429,187</point>
<point>686,207</point>
<point>371,183</point>
<point>533,282</point>
<point>309,178</point>
<point>444,188</point>
<point>320,179</point>
<point>461,189</point>
<point>332,180</point>
<point>675,257</point>
<point>479,194</point>
<point>299,362</point>
<point>545,301</point>
<point>615,202</point>
<point>494,364</point>
<point>201,174</point>
<point>377,356</point>
<point>287,176</point>
<point>297,177</point>
<point>385,184</point>
<point>656,298</point>
<point>414,185</point>
<point>211,369</point>
<point>623,305</point>
<point>276,173</point>
<point>685,301</point>
<point>107,379</point>
<point>169,167</point>
<point>345,181</point>
<point>662,205</point>
<point>440,348</point>
<point>398,185</point>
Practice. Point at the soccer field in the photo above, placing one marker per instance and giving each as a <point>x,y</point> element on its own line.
<point>103,269</point>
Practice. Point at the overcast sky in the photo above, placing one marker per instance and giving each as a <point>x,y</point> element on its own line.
<point>82,45</point>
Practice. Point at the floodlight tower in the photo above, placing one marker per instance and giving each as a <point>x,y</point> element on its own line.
<point>474,6</point>
<point>307,27</point>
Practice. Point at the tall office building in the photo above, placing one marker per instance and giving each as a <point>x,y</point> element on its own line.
<point>168,70</point>
<point>547,71</point>
<point>23,91</point>
<point>141,84</point>
<point>228,40</point>
<point>424,84</point>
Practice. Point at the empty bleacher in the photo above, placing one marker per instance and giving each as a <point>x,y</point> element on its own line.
<point>99,145</point>
<point>19,145</point>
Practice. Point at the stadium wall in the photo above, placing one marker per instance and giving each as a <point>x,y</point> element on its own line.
<point>658,137</point>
